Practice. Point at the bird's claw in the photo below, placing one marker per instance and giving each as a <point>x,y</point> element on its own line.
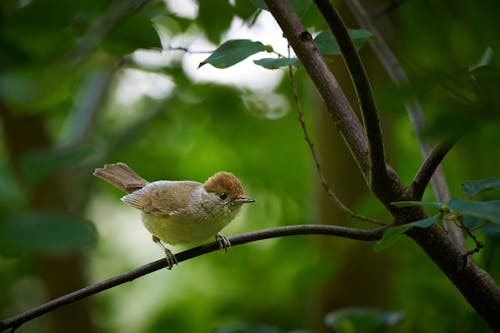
<point>171,259</point>
<point>223,242</point>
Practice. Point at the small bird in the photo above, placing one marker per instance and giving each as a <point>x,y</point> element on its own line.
<point>180,212</point>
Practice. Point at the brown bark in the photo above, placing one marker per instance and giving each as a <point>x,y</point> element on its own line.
<point>476,285</point>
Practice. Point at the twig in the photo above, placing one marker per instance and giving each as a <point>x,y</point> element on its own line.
<point>93,95</point>
<point>477,243</point>
<point>98,30</point>
<point>304,229</point>
<point>414,109</point>
<point>428,168</point>
<point>186,50</point>
<point>379,178</point>
<point>336,102</point>
<point>321,176</point>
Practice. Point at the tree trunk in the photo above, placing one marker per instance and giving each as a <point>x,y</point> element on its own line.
<point>25,133</point>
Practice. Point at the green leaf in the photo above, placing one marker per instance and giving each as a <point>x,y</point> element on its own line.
<point>215,18</point>
<point>136,32</point>
<point>244,9</point>
<point>260,4</point>
<point>392,235</point>
<point>275,63</point>
<point>326,43</point>
<point>362,320</point>
<point>486,210</point>
<point>232,52</point>
<point>48,233</point>
<point>473,187</point>
<point>484,61</point>
<point>39,165</point>
<point>416,203</point>
<point>492,231</point>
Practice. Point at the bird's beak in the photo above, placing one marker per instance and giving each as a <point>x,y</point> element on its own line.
<point>243,200</point>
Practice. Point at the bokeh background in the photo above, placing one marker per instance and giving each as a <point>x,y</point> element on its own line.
<point>83,83</point>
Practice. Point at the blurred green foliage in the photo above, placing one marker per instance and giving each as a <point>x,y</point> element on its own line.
<point>63,68</point>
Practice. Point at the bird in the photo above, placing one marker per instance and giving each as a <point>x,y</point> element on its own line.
<point>180,212</point>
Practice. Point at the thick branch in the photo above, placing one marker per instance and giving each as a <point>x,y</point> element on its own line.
<point>304,229</point>
<point>428,168</point>
<point>378,169</point>
<point>415,112</point>
<point>336,102</point>
<point>475,284</point>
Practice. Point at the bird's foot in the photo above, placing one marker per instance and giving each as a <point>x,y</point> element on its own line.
<point>223,242</point>
<point>171,259</point>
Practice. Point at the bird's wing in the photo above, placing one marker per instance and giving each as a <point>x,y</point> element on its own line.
<point>162,198</point>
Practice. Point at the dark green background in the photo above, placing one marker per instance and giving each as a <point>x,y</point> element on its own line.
<point>60,62</point>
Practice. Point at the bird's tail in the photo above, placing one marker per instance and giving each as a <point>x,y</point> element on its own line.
<point>121,176</point>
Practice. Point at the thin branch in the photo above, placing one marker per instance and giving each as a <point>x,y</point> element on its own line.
<point>98,30</point>
<point>321,176</point>
<point>379,178</point>
<point>93,95</point>
<point>428,168</point>
<point>185,50</point>
<point>414,109</point>
<point>304,229</point>
<point>336,102</point>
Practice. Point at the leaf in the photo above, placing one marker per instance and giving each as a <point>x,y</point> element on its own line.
<point>326,43</point>
<point>232,52</point>
<point>259,4</point>
<point>214,17</point>
<point>415,203</point>
<point>392,235</point>
<point>244,9</point>
<point>473,187</point>
<point>39,165</point>
<point>275,63</point>
<point>48,233</point>
<point>484,61</point>
<point>486,210</point>
<point>492,231</point>
<point>135,32</point>
<point>362,320</point>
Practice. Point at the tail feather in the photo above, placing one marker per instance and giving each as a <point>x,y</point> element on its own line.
<point>121,176</point>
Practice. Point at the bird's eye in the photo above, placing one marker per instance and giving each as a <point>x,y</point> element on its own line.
<point>222,196</point>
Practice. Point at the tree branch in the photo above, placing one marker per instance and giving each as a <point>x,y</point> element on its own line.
<point>428,168</point>
<point>379,178</point>
<point>476,285</point>
<point>304,229</point>
<point>93,95</point>
<point>336,102</point>
<point>98,30</point>
<point>414,109</point>
<point>319,170</point>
